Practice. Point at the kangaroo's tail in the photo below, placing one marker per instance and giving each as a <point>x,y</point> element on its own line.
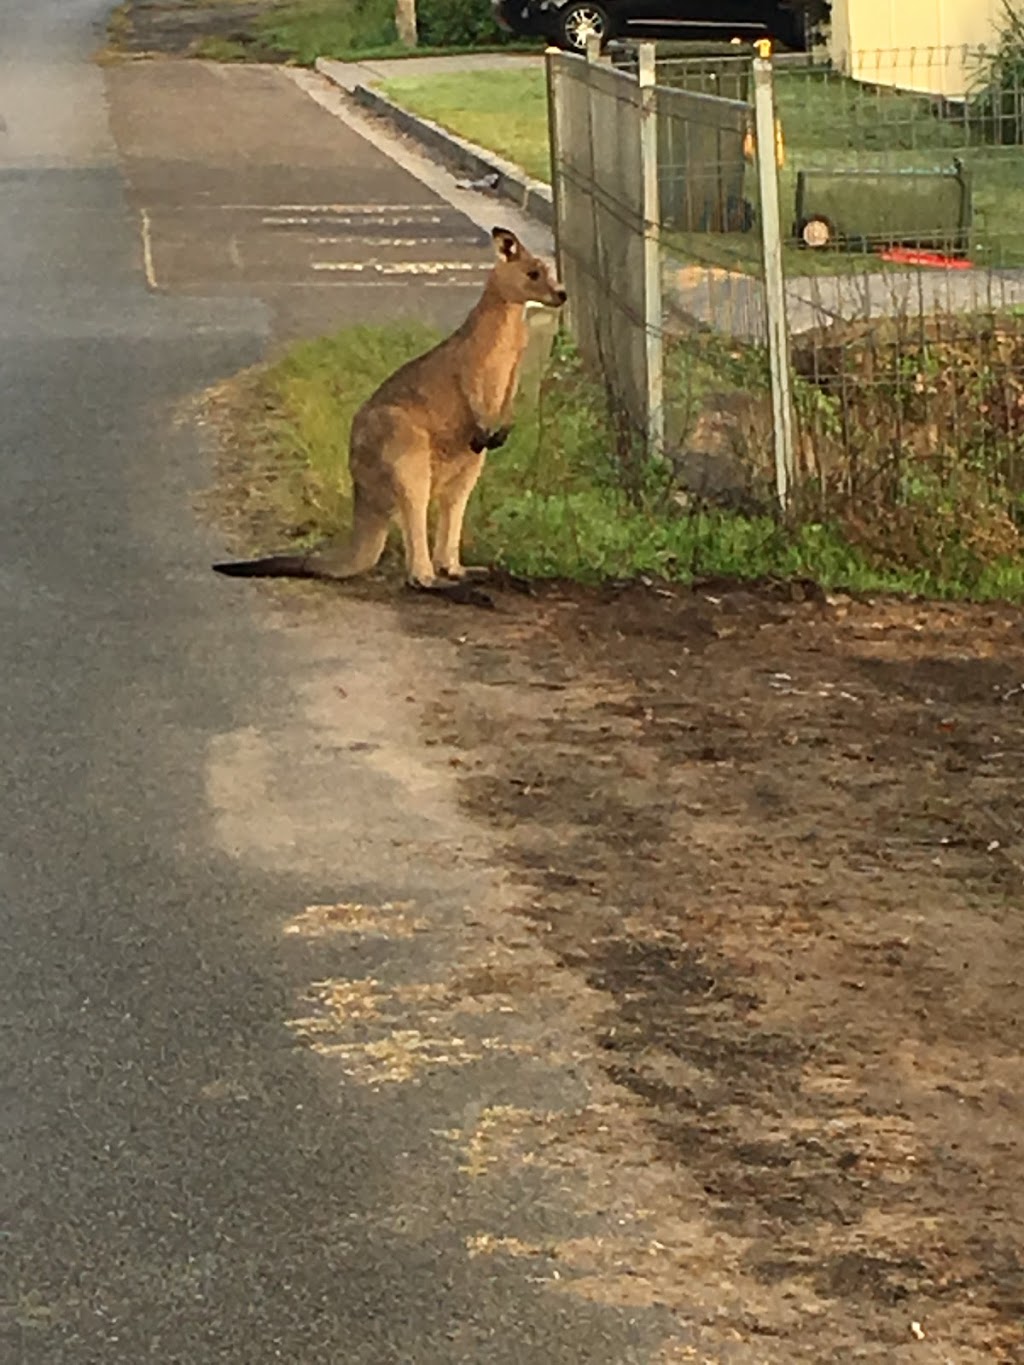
<point>275,566</point>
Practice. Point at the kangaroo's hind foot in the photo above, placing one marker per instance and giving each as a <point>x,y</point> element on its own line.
<point>458,591</point>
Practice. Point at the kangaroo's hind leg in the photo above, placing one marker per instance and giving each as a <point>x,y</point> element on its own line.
<point>411,478</point>
<point>452,498</point>
<point>390,461</point>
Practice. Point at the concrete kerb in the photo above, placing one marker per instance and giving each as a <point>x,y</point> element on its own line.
<point>510,182</point>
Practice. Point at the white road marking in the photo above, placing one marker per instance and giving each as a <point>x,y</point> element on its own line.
<point>399,267</point>
<point>360,220</point>
<point>381,241</point>
<point>372,241</point>
<point>304,208</point>
<point>392,282</point>
<point>351,208</point>
<point>371,272</point>
<point>147,250</point>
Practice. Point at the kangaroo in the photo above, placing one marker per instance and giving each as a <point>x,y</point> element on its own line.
<point>425,432</point>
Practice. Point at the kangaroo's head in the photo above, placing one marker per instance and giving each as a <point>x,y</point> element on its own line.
<point>521,277</point>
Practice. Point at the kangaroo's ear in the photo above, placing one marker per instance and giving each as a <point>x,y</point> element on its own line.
<point>507,244</point>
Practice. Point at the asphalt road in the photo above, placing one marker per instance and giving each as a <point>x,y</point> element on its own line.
<point>242,185</point>
<point>183,773</point>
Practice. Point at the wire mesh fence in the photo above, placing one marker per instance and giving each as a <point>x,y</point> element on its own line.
<point>904,291</point>
<point>606,237</point>
<point>899,316</point>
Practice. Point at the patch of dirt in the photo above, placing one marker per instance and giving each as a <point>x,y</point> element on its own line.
<point>765,852</point>
<point>778,838</point>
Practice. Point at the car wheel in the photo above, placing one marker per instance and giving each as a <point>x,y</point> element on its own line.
<point>577,21</point>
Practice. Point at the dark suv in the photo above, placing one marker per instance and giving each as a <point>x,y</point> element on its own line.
<point>567,22</point>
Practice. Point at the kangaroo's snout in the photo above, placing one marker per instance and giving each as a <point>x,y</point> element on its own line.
<point>552,293</point>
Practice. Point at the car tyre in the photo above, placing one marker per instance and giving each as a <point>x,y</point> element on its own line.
<point>576,20</point>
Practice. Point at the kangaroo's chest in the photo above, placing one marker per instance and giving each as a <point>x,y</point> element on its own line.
<point>494,369</point>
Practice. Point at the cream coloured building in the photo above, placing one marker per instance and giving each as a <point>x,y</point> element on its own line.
<point>926,45</point>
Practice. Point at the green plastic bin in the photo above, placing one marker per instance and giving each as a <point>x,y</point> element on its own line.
<point>868,210</point>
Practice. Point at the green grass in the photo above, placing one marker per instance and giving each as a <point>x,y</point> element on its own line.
<point>828,123</point>
<point>549,504</point>
<point>308,29</point>
<point>505,111</point>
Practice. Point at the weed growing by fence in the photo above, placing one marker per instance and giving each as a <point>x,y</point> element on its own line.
<point>997,103</point>
<point>918,436</point>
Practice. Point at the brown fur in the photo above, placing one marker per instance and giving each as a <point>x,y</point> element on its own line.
<point>423,435</point>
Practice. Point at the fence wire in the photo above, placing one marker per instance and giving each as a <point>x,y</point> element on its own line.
<point>598,186</point>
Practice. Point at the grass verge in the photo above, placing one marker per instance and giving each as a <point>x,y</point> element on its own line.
<point>550,504</point>
<point>504,111</point>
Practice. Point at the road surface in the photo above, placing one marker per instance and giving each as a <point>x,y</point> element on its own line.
<point>187,771</point>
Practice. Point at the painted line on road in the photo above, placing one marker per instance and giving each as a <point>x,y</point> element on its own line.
<point>354,220</point>
<point>390,282</point>
<point>147,250</point>
<point>350,208</point>
<point>400,267</point>
<point>386,241</point>
<point>306,208</point>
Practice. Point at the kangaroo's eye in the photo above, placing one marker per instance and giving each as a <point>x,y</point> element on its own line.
<point>533,274</point>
